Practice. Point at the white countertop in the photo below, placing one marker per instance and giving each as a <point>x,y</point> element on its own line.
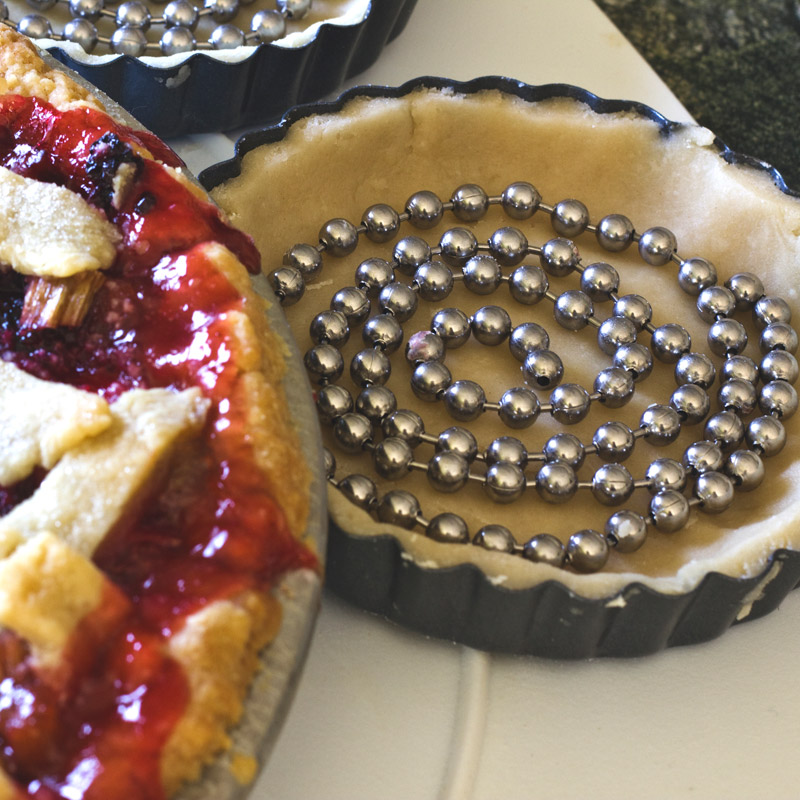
<point>386,714</point>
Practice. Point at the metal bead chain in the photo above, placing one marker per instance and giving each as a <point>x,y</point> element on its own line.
<point>180,18</point>
<point>728,458</point>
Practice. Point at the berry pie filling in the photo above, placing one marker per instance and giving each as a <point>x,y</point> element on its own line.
<point>96,726</point>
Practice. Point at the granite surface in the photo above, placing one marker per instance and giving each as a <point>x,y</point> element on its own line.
<point>734,64</point>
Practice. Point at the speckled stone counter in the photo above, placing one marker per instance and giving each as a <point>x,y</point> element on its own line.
<point>734,64</point>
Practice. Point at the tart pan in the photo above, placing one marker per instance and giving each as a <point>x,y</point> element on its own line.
<point>379,568</point>
<point>205,92</point>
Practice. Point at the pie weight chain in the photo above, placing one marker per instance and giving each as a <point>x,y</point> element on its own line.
<point>753,397</point>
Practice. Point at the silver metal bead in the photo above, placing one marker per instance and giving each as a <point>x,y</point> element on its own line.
<point>353,303</point>
<point>81,32</point>
<point>410,253</point>
<point>543,369</point>
<point>691,402</point>
<point>661,424</point>
<point>359,490</point>
<point>746,469</point>
<point>288,285</point>
<point>333,401</point>
<point>374,274</point>
<point>599,281</point>
<point>448,471</point>
<point>129,41</point>
<point>482,274</point>
<point>329,327</point>
<point>778,365</point>
<point>526,338</point>
<point>570,402</point>
<point>612,485</point>
<point>634,358</point>
<point>714,490</point>
<point>715,302</point>
<point>448,527</point>
<point>544,548</point>
<point>666,473</point>
<point>587,551</point>
<point>778,336</point>
<point>41,5</point>
<point>452,326</point>
<point>559,257</point>
<point>696,274</point>
<point>615,387</point>
<point>671,341</point>
<point>398,299</point>
<point>382,223</point>
<point>86,9</point>
<point>696,368</point>
<point>778,398</point>
<point>771,309</point>
<point>727,337</point>
<point>458,440</point>
<point>635,308</point>
<point>528,284</point>
<point>457,246</point>
<point>304,257</point>
<point>738,395</point>
<point>556,482</point>
<point>615,233</point>
<point>406,424</point>
<point>504,482</point>
<point>703,456</point>
<point>615,332</point>
<point>747,289</point>
<point>509,246</point>
<point>520,200</point>
<point>614,441</point>
<point>766,435</point>
<point>424,210</point>
<point>383,331</point>
<point>569,218</point>
<point>400,508</point>
<point>656,246</point>
<point>626,531</point>
<point>392,458</point>
<point>339,237</point>
<point>293,9</point>
<point>36,26</point>
<point>669,511</point>
<point>726,429</point>
<point>329,463</point>
<point>324,363</point>
<point>566,448</point>
<point>430,380</point>
<point>495,537</point>
<point>739,368</point>
<point>519,407</point>
<point>376,403</point>
<point>268,25</point>
<point>573,310</point>
<point>434,280</point>
<point>425,346</point>
<point>137,15</point>
<point>227,37</point>
<point>491,325</point>
<point>464,400</point>
<point>177,40</point>
<point>352,432</point>
<point>470,202</point>
<point>507,448</point>
<point>370,367</point>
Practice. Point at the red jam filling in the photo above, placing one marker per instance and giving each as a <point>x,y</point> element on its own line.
<point>159,320</point>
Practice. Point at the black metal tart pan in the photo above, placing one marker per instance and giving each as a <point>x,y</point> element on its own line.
<point>204,94</point>
<point>461,603</point>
